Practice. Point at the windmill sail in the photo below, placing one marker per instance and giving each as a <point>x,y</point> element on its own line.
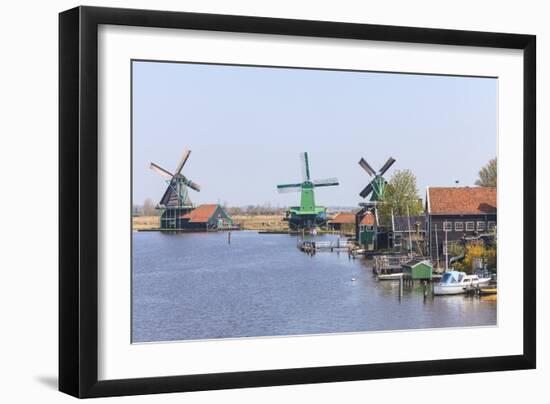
<point>283,189</point>
<point>305,166</point>
<point>158,169</point>
<point>327,182</point>
<point>192,185</point>
<point>386,166</point>
<point>366,166</point>
<point>183,160</point>
<point>366,191</point>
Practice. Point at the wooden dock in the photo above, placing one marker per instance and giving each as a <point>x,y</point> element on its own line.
<point>388,264</point>
<point>312,246</point>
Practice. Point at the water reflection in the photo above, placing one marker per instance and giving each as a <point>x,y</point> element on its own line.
<point>196,286</point>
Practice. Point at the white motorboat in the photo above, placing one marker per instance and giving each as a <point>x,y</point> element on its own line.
<point>455,282</point>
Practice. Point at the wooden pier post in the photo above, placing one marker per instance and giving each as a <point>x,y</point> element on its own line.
<point>229,237</point>
<point>400,287</point>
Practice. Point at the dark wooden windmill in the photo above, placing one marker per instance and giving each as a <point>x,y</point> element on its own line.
<point>175,202</point>
<point>369,233</point>
<point>378,184</point>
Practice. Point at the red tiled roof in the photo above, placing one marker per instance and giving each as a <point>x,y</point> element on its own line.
<point>368,219</point>
<point>343,218</point>
<point>201,213</point>
<point>465,200</point>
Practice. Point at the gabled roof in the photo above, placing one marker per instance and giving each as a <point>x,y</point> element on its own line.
<point>201,213</point>
<point>368,219</point>
<point>414,262</point>
<point>344,218</point>
<point>461,200</point>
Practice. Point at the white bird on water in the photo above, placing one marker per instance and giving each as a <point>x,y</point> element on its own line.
<point>353,279</point>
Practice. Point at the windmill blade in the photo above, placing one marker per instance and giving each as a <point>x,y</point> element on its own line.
<point>183,160</point>
<point>386,166</point>
<point>192,185</point>
<point>289,188</point>
<point>366,166</point>
<point>366,191</point>
<point>158,169</point>
<point>305,166</point>
<point>328,182</point>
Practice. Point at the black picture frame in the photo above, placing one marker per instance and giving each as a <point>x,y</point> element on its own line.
<point>78,201</point>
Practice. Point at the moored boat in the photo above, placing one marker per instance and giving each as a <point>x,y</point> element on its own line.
<point>456,282</point>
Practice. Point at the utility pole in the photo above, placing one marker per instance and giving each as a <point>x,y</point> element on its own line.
<point>446,250</point>
<point>436,246</point>
<point>410,235</point>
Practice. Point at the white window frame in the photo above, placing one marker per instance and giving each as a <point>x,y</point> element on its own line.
<point>449,225</point>
<point>457,228</point>
<point>480,225</point>
<point>473,225</point>
<point>491,224</point>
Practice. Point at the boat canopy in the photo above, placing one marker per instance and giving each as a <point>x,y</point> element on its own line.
<point>452,277</point>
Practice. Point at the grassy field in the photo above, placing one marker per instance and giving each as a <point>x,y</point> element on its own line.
<point>145,222</point>
<point>259,222</point>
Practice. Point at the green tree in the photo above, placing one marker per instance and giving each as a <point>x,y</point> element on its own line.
<point>488,174</point>
<point>400,193</point>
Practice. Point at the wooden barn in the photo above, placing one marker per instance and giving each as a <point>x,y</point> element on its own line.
<point>206,217</point>
<point>408,228</point>
<point>343,222</point>
<point>456,213</point>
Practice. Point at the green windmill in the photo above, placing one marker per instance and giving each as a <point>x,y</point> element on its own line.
<point>378,183</point>
<point>307,215</point>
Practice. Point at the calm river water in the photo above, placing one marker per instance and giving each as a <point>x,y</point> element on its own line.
<point>196,286</point>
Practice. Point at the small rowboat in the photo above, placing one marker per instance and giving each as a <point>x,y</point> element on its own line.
<point>487,291</point>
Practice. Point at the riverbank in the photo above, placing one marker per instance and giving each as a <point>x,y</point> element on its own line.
<point>271,223</point>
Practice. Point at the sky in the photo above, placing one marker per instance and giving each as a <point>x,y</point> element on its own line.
<point>246,127</point>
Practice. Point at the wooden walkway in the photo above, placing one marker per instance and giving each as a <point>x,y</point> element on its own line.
<point>313,245</point>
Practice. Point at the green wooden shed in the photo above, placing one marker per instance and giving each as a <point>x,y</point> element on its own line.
<point>367,231</point>
<point>418,269</point>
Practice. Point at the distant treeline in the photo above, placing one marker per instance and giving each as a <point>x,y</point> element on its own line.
<point>255,210</point>
<point>149,209</point>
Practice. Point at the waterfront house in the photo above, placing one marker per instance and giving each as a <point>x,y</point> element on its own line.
<point>206,217</point>
<point>367,230</point>
<point>343,222</point>
<point>453,214</point>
